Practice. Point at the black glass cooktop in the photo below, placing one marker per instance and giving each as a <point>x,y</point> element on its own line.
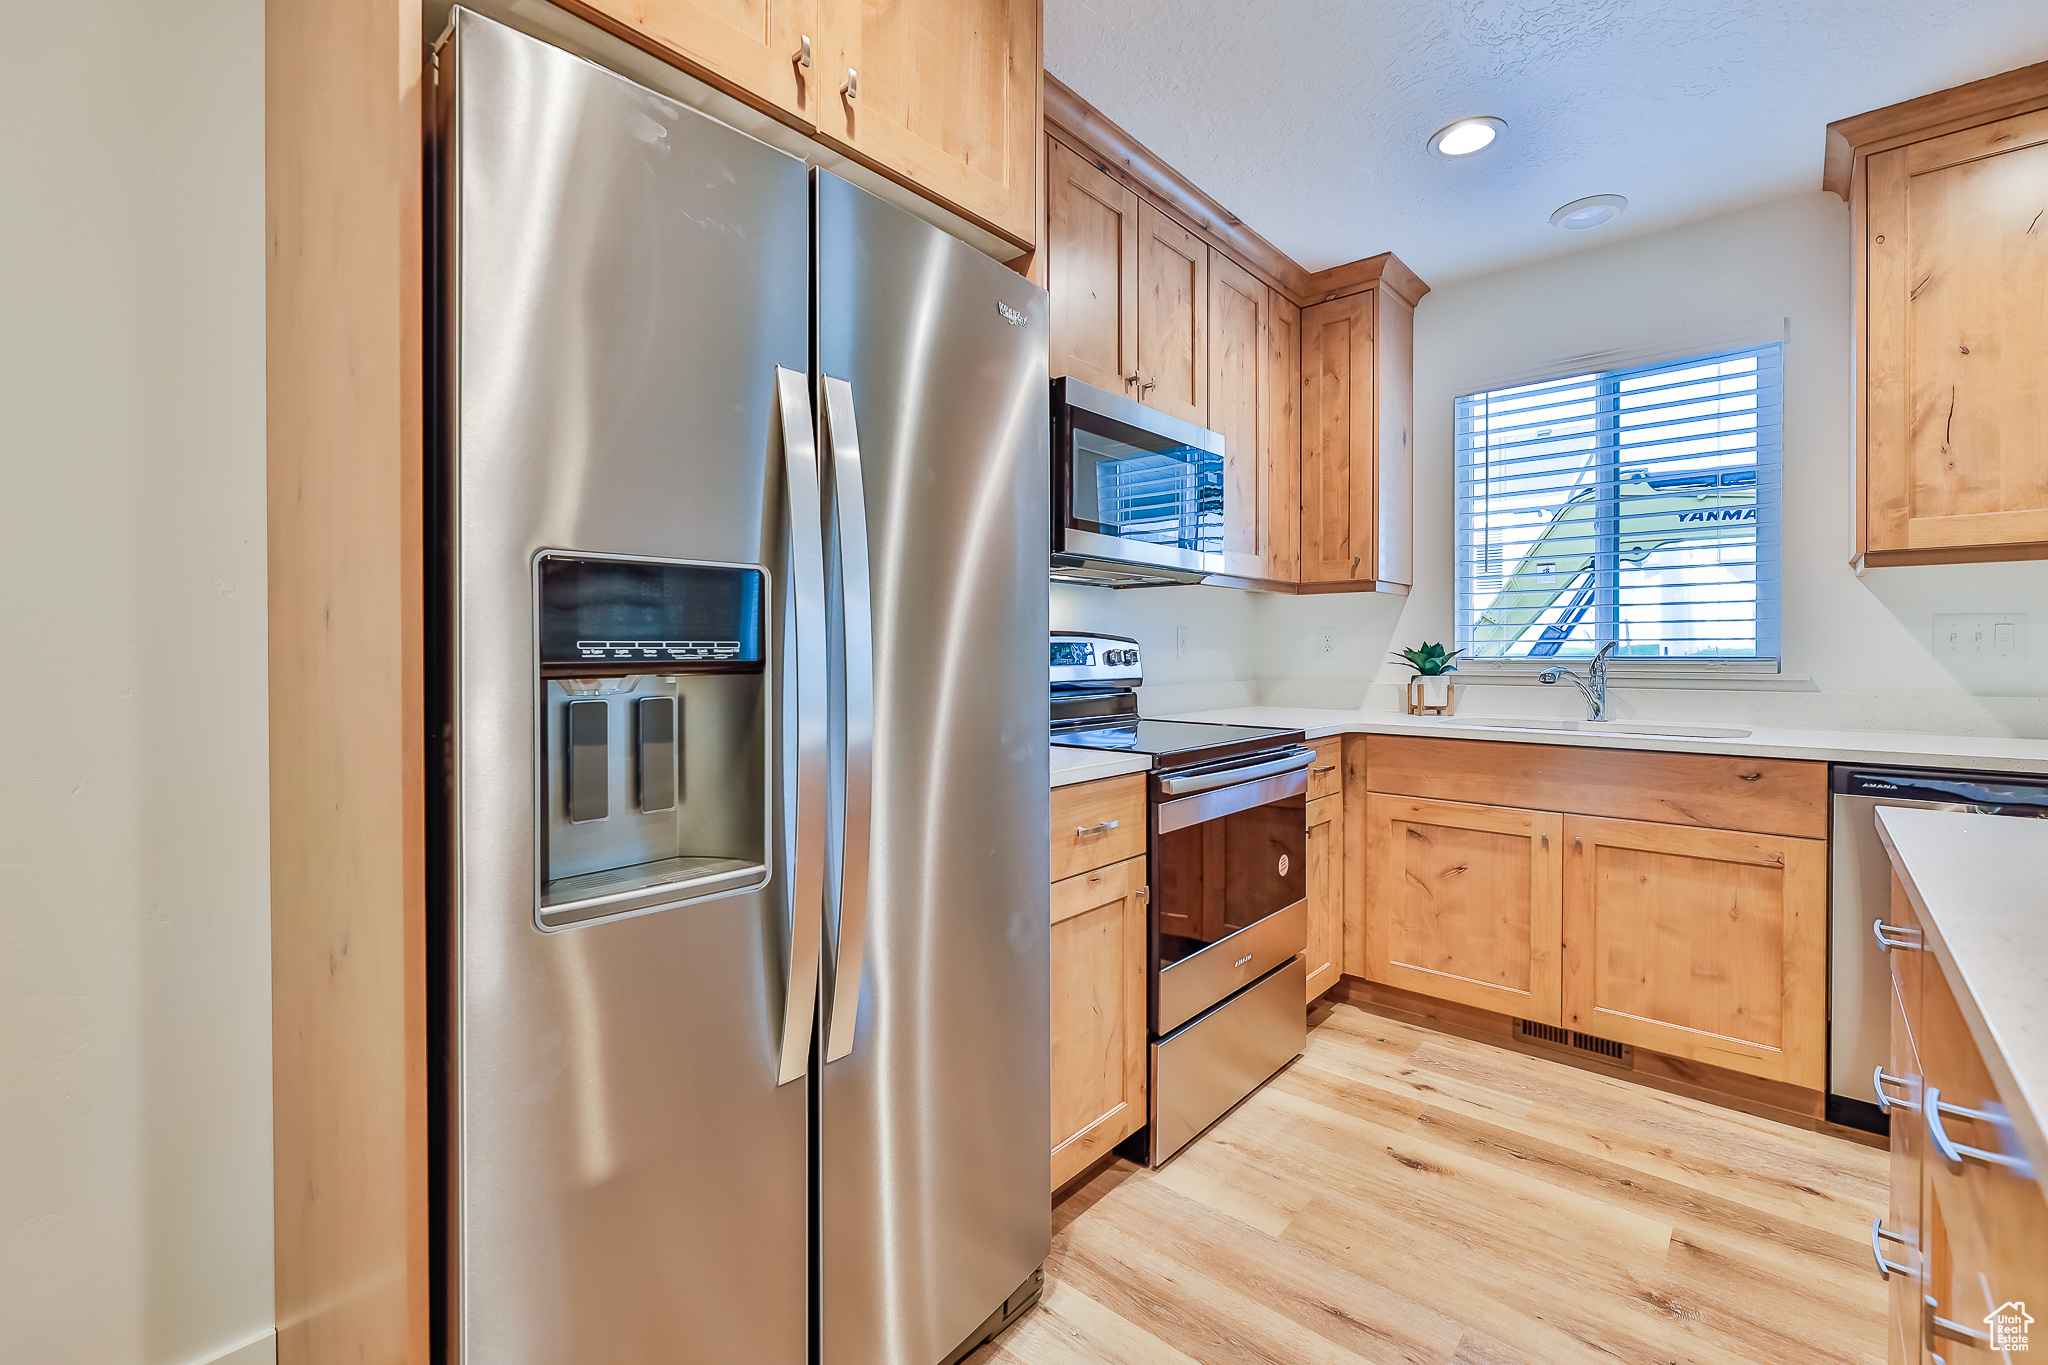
<point>1181,743</point>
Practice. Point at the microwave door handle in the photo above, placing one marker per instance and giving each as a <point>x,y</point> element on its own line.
<point>856,618</point>
<point>804,676</point>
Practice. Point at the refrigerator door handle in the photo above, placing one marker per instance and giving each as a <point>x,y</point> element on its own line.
<point>842,445</point>
<point>805,677</point>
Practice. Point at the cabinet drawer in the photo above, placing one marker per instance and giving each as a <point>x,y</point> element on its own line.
<point>1326,774</point>
<point>1095,824</point>
<point>1707,791</point>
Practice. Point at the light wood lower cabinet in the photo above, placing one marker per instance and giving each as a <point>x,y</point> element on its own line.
<point>1098,1014</point>
<point>1696,942</point>
<point>1325,893</point>
<point>1700,943</point>
<point>1967,1240</point>
<point>1463,903</point>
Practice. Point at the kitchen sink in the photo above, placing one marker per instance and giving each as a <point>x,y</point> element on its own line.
<point>1596,727</point>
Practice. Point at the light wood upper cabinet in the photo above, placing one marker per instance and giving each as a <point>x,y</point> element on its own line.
<point>1091,270</point>
<point>1699,943</point>
<point>1281,495</point>
<point>1173,317</point>
<point>1240,388</point>
<point>1950,215</point>
<point>1098,1014</point>
<point>749,47</point>
<point>942,94</point>
<point>1462,903</point>
<point>1357,457</point>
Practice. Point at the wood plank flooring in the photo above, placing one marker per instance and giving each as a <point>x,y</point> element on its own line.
<point>1403,1195</point>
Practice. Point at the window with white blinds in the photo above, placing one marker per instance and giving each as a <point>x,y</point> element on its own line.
<point>1639,506</point>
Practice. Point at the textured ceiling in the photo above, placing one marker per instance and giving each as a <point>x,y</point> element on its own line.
<point>1309,118</point>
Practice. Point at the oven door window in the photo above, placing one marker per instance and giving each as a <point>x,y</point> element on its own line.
<point>1217,877</point>
<point>1137,486</point>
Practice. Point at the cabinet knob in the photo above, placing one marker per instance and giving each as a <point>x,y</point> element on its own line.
<point>852,87</point>
<point>803,51</point>
<point>1149,385</point>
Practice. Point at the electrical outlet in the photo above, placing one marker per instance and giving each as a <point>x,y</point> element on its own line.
<point>1180,642</point>
<point>1326,639</point>
<point>1984,637</point>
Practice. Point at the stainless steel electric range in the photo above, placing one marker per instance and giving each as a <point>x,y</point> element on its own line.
<point>1226,844</point>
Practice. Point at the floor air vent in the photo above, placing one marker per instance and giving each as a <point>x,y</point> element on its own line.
<point>1544,1033</point>
<point>1605,1047</point>
<point>1554,1036</point>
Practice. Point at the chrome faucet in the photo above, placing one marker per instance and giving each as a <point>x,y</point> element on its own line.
<point>1593,685</point>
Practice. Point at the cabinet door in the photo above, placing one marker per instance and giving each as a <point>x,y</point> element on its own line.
<point>1239,393</point>
<point>1462,903</point>
<point>1957,368</point>
<point>1325,893</point>
<point>1699,943</point>
<point>747,46</point>
<point>1282,471</point>
<point>1987,1226</point>
<point>1337,427</point>
<point>1091,270</point>
<point>1173,317</point>
<point>942,95</point>
<point>1098,1014</point>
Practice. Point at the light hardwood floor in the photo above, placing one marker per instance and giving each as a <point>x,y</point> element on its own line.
<point>1402,1195</point>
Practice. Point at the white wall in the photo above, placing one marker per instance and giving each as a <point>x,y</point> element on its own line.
<point>135,1200</point>
<point>1858,651</point>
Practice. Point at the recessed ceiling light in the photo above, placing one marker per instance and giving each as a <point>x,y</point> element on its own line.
<point>1589,212</point>
<point>1466,136</point>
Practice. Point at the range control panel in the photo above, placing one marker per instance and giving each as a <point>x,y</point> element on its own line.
<point>1085,657</point>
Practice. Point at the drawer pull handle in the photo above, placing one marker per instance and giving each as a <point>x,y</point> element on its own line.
<point>1954,1331</point>
<point>1885,1268</point>
<point>1885,1103</point>
<point>1954,1153</point>
<point>1326,768</point>
<point>1088,831</point>
<point>1885,944</point>
<point>1241,961</point>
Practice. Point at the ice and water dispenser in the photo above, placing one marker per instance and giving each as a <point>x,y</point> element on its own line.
<point>653,734</point>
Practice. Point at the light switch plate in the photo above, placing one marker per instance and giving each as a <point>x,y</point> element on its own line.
<point>1984,637</point>
<point>1180,642</point>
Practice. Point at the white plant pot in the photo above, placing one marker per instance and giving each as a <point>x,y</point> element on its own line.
<point>1436,691</point>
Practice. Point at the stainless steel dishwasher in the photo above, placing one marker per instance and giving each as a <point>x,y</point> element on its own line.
<point>1860,881</point>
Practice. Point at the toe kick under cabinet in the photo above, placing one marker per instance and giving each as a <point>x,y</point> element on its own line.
<point>1676,902</point>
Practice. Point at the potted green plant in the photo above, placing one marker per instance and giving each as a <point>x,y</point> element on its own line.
<point>1430,689</point>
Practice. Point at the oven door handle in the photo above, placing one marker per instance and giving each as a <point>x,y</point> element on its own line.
<point>1202,782</point>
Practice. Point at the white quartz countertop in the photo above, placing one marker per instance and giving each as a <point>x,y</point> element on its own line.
<point>1085,765</point>
<point>1979,883</point>
<point>1832,746</point>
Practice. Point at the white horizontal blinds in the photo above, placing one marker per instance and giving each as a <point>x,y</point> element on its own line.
<point>1164,498</point>
<point>1637,505</point>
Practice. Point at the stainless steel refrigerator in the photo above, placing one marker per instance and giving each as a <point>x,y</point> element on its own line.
<point>741,514</point>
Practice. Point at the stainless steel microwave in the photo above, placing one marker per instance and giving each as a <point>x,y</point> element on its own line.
<point>1137,495</point>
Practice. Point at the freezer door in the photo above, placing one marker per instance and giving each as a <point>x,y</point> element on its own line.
<point>626,1174</point>
<point>936,1110</point>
